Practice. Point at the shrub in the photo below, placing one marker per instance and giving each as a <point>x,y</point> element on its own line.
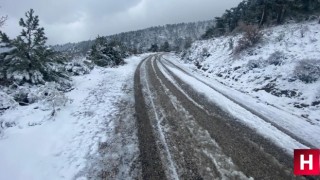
<point>276,58</point>
<point>281,36</point>
<point>107,54</point>
<point>303,30</point>
<point>6,102</point>
<point>231,43</point>
<point>252,35</point>
<point>205,53</point>
<point>79,67</point>
<point>252,64</point>
<point>308,70</point>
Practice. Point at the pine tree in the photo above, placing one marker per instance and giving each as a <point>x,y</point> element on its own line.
<point>107,54</point>
<point>3,20</point>
<point>165,47</point>
<point>154,48</point>
<point>29,59</point>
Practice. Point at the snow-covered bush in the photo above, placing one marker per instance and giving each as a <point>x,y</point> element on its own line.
<point>252,64</point>
<point>277,58</point>
<point>231,43</point>
<point>252,35</point>
<point>281,36</point>
<point>303,31</point>
<point>205,53</point>
<point>79,66</point>
<point>48,95</point>
<point>308,70</point>
<point>6,102</point>
<point>106,54</point>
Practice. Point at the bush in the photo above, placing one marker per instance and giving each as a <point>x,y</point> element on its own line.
<point>252,64</point>
<point>231,43</point>
<point>308,71</point>
<point>281,36</point>
<point>205,53</point>
<point>107,54</point>
<point>252,35</point>
<point>277,58</point>
<point>303,30</point>
<point>79,67</point>
<point>6,102</point>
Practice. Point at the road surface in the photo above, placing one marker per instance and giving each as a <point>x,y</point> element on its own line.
<point>182,135</point>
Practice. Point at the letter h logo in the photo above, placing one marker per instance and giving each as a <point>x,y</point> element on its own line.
<point>307,162</point>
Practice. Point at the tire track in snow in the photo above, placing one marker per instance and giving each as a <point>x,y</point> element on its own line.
<point>195,142</point>
<point>149,154</point>
<point>248,108</point>
<point>166,157</point>
<point>237,141</point>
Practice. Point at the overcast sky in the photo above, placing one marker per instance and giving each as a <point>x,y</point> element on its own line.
<point>77,20</point>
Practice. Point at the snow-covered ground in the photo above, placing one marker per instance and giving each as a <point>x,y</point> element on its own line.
<point>268,78</point>
<point>275,71</point>
<point>36,145</point>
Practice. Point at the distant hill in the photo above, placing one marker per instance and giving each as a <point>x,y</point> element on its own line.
<point>177,35</point>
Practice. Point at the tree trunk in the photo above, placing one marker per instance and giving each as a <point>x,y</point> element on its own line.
<point>280,14</point>
<point>262,16</point>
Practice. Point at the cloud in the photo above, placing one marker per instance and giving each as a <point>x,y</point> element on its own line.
<point>74,20</point>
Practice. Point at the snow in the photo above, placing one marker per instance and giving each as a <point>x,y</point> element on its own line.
<point>265,79</point>
<point>285,90</point>
<point>243,115</point>
<point>6,101</point>
<point>39,146</point>
<point>224,164</point>
<point>170,165</point>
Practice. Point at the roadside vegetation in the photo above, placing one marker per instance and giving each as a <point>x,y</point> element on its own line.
<point>268,50</point>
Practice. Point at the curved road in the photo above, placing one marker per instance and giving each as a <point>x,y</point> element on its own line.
<point>182,135</point>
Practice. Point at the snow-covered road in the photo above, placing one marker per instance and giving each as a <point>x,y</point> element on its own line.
<point>201,133</point>
<point>151,119</point>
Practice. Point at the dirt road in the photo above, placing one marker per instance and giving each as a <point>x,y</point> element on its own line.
<point>182,135</point>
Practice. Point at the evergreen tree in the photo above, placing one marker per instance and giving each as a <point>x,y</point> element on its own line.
<point>165,47</point>
<point>220,28</point>
<point>29,59</point>
<point>209,33</point>
<point>107,54</point>
<point>263,13</point>
<point>188,43</point>
<point>3,20</point>
<point>154,48</point>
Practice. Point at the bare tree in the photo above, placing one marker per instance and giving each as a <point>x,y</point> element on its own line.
<point>3,20</point>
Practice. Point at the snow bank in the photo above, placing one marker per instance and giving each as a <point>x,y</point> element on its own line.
<point>40,147</point>
<point>281,71</point>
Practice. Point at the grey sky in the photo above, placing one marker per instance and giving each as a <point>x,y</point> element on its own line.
<point>77,20</point>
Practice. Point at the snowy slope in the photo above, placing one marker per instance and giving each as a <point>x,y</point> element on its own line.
<point>273,72</point>
<point>38,146</point>
<point>249,111</point>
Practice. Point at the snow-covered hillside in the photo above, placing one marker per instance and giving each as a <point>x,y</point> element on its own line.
<point>85,133</point>
<point>282,71</point>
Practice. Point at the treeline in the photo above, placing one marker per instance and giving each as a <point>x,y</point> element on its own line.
<point>263,13</point>
<point>174,37</point>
